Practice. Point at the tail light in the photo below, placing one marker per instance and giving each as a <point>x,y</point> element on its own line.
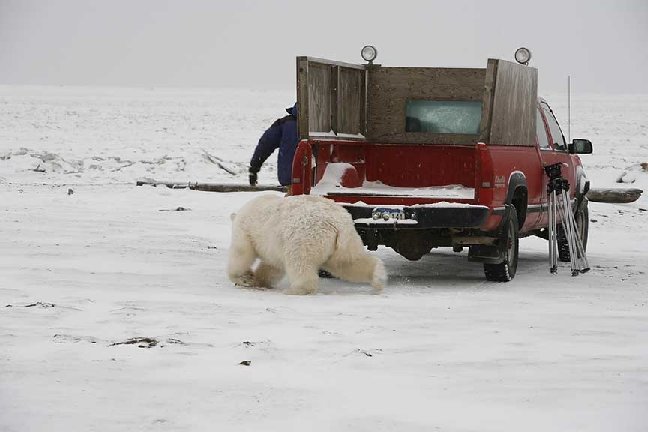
<point>301,169</point>
<point>484,180</point>
<point>485,164</point>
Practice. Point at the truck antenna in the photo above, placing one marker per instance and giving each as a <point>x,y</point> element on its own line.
<point>568,108</point>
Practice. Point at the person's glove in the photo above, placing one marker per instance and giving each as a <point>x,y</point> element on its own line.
<point>253,176</point>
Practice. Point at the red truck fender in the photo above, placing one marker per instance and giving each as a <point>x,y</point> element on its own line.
<point>517,195</point>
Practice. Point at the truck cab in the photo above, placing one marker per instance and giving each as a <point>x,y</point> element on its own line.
<point>426,157</point>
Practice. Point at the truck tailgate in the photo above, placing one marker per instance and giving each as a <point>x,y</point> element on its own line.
<point>349,171</point>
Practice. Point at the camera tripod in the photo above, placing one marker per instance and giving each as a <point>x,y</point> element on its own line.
<point>559,206</point>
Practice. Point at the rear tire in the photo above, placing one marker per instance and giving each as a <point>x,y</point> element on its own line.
<point>508,245</point>
<point>582,228</point>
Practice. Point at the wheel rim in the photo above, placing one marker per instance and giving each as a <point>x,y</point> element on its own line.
<point>510,248</point>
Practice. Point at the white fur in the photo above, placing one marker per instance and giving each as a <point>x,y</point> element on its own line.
<point>296,236</point>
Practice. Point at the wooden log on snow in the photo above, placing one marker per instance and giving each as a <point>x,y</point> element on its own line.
<point>614,195</point>
<point>220,187</point>
<point>213,187</point>
<point>170,185</point>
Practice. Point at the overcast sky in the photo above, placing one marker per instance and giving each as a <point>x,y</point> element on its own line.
<point>602,44</point>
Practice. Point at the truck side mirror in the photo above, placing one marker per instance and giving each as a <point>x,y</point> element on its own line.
<point>580,146</point>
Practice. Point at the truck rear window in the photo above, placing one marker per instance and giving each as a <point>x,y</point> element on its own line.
<point>443,117</point>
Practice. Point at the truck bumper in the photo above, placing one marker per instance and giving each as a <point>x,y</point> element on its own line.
<point>421,217</point>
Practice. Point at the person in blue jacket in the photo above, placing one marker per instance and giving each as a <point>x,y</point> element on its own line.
<point>281,135</point>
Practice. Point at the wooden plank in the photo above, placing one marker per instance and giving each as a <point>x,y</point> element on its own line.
<point>614,195</point>
<point>514,105</point>
<point>423,138</point>
<point>319,97</point>
<point>334,63</point>
<point>487,101</point>
<point>350,101</point>
<point>335,97</point>
<point>364,102</point>
<point>302,97</point>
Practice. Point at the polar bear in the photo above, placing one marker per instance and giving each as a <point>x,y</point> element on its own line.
<point>296,236</point>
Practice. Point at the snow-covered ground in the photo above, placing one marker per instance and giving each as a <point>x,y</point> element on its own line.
<point>88,261</point>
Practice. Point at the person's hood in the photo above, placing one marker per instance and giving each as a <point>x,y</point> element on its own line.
<point>292,110</point>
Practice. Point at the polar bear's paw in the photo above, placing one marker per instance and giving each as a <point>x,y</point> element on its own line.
<point>379,279</point>
<point>247,279</point>
<point>302,289</point>
<point>267,276</point>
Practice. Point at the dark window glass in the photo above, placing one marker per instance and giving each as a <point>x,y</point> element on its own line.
<point>443,117</point>
<point>554,128</point>
<point>541,133</point>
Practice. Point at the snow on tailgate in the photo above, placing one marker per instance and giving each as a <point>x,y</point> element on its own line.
<point>332,179</point>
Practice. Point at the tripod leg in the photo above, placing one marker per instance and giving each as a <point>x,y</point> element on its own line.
<point>570,234</point>
<point>581,258</point>
<point>553,246</point>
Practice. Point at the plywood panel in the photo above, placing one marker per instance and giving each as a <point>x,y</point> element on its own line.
<point>331,98</point>
<point>390,88</point>
<point>514,105</point>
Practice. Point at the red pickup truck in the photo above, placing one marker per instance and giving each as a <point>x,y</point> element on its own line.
<point>436,157</point>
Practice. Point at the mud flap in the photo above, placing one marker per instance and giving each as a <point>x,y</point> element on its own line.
<point>485,253</point>
<point>491,254</point>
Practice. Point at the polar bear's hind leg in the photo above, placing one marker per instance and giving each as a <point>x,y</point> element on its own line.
<point>303,277</point>
<point>363,269</point>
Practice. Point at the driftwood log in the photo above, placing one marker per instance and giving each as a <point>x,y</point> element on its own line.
<point>213,187</point>
<point>614,195</point>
